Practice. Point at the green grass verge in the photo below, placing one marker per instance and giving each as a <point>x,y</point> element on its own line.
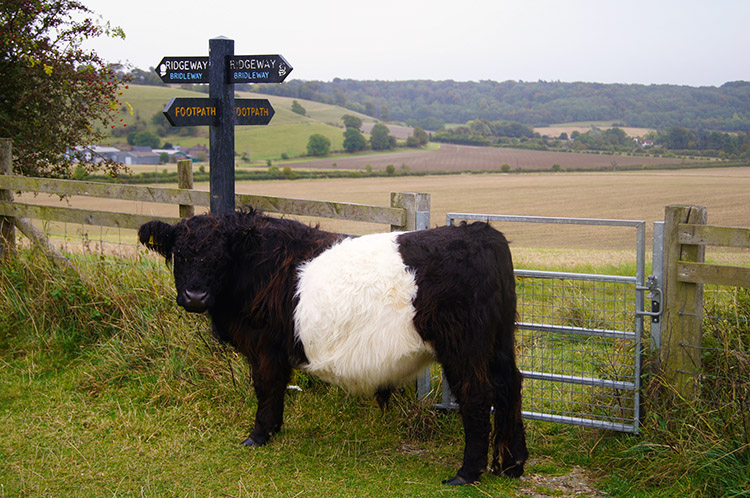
<point>107,389</point>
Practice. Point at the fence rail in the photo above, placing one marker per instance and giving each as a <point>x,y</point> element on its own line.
<point>395,216</point>
<point>408,210</point>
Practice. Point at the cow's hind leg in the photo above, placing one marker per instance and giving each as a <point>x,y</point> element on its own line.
<point>509,441</point>
<point>475,399</point>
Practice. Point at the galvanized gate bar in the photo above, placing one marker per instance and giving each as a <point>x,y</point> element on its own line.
<point>621,390</point>
<point>584,422</point>
<point>614,334</point>
<point>591,277</point>
<point>543,219</point>
<point>581,381</point>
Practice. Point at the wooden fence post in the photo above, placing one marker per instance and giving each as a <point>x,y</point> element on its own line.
<point>185,180</point>
<point>680,354</point>
<point>7,224</point>
<point>417,208</point>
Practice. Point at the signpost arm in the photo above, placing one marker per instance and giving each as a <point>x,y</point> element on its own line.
<point>221,162</point>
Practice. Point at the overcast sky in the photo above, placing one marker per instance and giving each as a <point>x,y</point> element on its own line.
<point>684,42</point>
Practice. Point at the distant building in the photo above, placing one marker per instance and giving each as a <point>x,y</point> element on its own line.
<point>94,153</point>
<point>198,152</point>
<point>173,154</point>
<point>138,157</point>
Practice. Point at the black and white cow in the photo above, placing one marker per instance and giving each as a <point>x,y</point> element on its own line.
<point>365,313</point>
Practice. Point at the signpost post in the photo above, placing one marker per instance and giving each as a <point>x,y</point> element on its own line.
<point>221,112</point>
<point>221,135</point>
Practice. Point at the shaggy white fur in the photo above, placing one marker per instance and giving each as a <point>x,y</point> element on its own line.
<point>354,316</point>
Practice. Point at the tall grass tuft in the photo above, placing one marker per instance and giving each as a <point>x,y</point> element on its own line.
<point>698,446</point>
<point>118,319</point>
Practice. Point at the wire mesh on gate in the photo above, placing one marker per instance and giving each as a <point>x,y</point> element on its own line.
<point>576,347</point>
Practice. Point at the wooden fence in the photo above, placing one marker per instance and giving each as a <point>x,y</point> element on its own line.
<point>686,235</point>
<point>408,211</point>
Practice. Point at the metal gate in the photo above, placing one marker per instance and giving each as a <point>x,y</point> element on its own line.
<point>579,337</point>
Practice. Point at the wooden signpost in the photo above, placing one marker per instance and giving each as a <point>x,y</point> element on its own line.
<point>221,111</point>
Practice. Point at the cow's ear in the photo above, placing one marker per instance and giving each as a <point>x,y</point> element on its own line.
<point>157,236</point>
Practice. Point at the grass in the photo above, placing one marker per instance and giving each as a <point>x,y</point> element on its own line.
<point>106,389</point>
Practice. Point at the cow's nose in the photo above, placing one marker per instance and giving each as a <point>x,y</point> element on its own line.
<point>193,301</point>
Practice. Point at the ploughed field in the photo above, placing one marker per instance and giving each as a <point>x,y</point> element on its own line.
<point>456,158</point>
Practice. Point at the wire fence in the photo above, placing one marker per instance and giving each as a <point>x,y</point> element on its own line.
<point>723,375</point>
<point>577,349</point>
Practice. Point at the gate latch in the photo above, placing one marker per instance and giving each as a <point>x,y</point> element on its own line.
<point>655,294</point>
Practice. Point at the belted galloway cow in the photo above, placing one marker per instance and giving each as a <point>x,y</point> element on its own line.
<point>366,313</point>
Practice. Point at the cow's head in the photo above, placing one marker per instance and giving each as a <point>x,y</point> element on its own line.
<point>200,251</point>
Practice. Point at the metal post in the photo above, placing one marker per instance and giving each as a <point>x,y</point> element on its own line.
<point>417,206</point>
<point>658,274</point>
<point>221,136</point>
<point>7,229</point>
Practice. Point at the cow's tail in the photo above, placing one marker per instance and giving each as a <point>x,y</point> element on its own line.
<point>509,440</point>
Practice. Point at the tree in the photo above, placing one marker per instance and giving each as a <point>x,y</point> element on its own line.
<point>385,114</point>
<point>297,107</point>
<point>354,141</point>
<point>351,121</point>
<point>54,94</point>
<point>318,145</point>
<point>421,136</point>
<point>143,139</point>
<point>379,137</point>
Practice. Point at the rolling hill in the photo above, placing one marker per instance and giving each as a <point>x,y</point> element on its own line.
<point>287,133</point>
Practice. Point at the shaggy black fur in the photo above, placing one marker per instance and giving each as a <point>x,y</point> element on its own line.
<point>242,269</point>
<point>466,308</point>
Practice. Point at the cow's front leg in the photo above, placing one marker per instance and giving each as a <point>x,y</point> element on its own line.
<point>270,380</point>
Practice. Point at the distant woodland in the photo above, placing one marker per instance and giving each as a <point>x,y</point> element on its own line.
<point>430,104</point>
<point>706,121</point>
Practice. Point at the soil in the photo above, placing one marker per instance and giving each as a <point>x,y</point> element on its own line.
<point>576,483</point>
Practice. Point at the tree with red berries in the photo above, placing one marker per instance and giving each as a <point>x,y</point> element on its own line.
<point>54,94</point>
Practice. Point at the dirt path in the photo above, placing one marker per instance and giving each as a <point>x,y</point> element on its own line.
<point>575,483</point>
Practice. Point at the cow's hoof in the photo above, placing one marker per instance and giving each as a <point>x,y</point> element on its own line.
<point>251,443</point>
<point>514,471</point>
<point>456,481</point>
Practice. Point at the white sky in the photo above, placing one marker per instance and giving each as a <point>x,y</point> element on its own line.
<point>685,42</point>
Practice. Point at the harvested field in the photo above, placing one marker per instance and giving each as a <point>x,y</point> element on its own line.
<point>456,158</point>
<point>398,131</point>
<point>555,130</point>
<point>638,195</point>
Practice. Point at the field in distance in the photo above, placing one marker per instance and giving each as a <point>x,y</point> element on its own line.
<point>458,158</point>
<point>635,195</point>
<point>554,130</point>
